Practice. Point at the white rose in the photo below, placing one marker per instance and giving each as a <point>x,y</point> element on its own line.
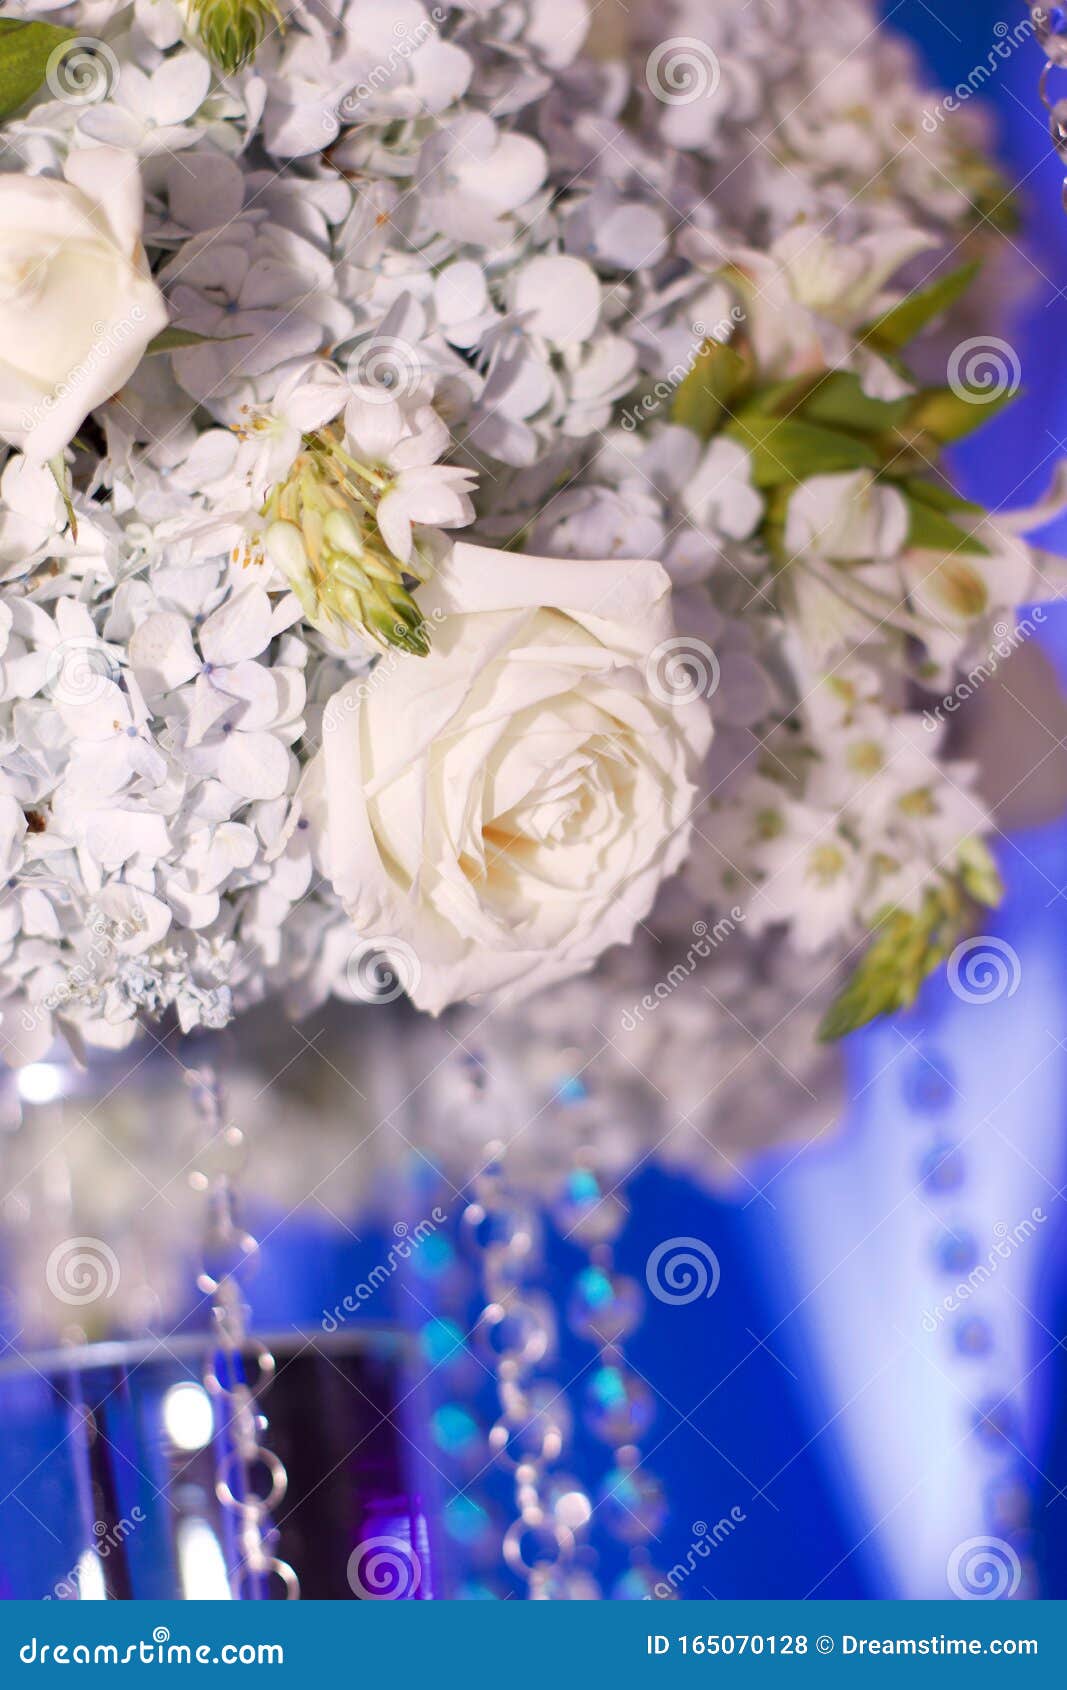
<point>77,304</point>
<point>498,813</point>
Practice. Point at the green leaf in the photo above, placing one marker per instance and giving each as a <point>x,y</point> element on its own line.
<point>25,49</point>
<point>899,326</point>
<point>978,873</point>
<point>934,531</point>
<point>782,398</point>
<point>939,497</point>
<point>718,376</point>
<point>788,449</point>
<point>840,402</point>
<point>906,947</point>
<point>946,415</point>
<point>175,340</point>
<point>58,467</point>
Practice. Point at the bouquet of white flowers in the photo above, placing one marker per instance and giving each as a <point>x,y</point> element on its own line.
<point>290,294</point>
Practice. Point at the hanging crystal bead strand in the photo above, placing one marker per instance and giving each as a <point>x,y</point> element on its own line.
<point>516,1332</point>
<point>604,1309</point>
<point>251,1480</point>
<point>1050,27</point>
<point>959,1264</point>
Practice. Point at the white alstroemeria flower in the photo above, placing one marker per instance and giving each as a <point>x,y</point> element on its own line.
<point>812,877</point>
<point>846,518</point>
<point>148,113</point>
<point>955,592</point>
<point>871,764</point>
<point>843,538</point>
<point>417,488</point>
<point>306,400</point>
<point>805,298</point>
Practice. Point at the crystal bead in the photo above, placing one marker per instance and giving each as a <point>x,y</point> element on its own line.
<point>995,1422</point>
<point>511,1231</point>
<point>586,1212</point>
<point>535,1427</point>
<point>928,1084</point>
<point>434,1260</point>
<point>1050,27</point>
<point>619,1406</point>
<point>642,1584</point>
<point>956,1252</point>
<point>973,1336</point>
<point>442,1344</point>
<point>519,1328</point>
<point>530,1545</point>
<point>942,1168</point>
<point>632,1504</point>
<point>454,1430</point>
<point>465,1521</point>
<point>569,1504</point>
<point>476,1590</point>
<point>567,1584</point>
<point>1008,1504</point>
<point>604,1307</point>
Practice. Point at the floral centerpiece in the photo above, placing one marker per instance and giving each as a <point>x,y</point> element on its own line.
<point>458,483</point>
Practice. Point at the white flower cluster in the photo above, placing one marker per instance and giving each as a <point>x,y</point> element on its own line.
<point>427,267</point>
